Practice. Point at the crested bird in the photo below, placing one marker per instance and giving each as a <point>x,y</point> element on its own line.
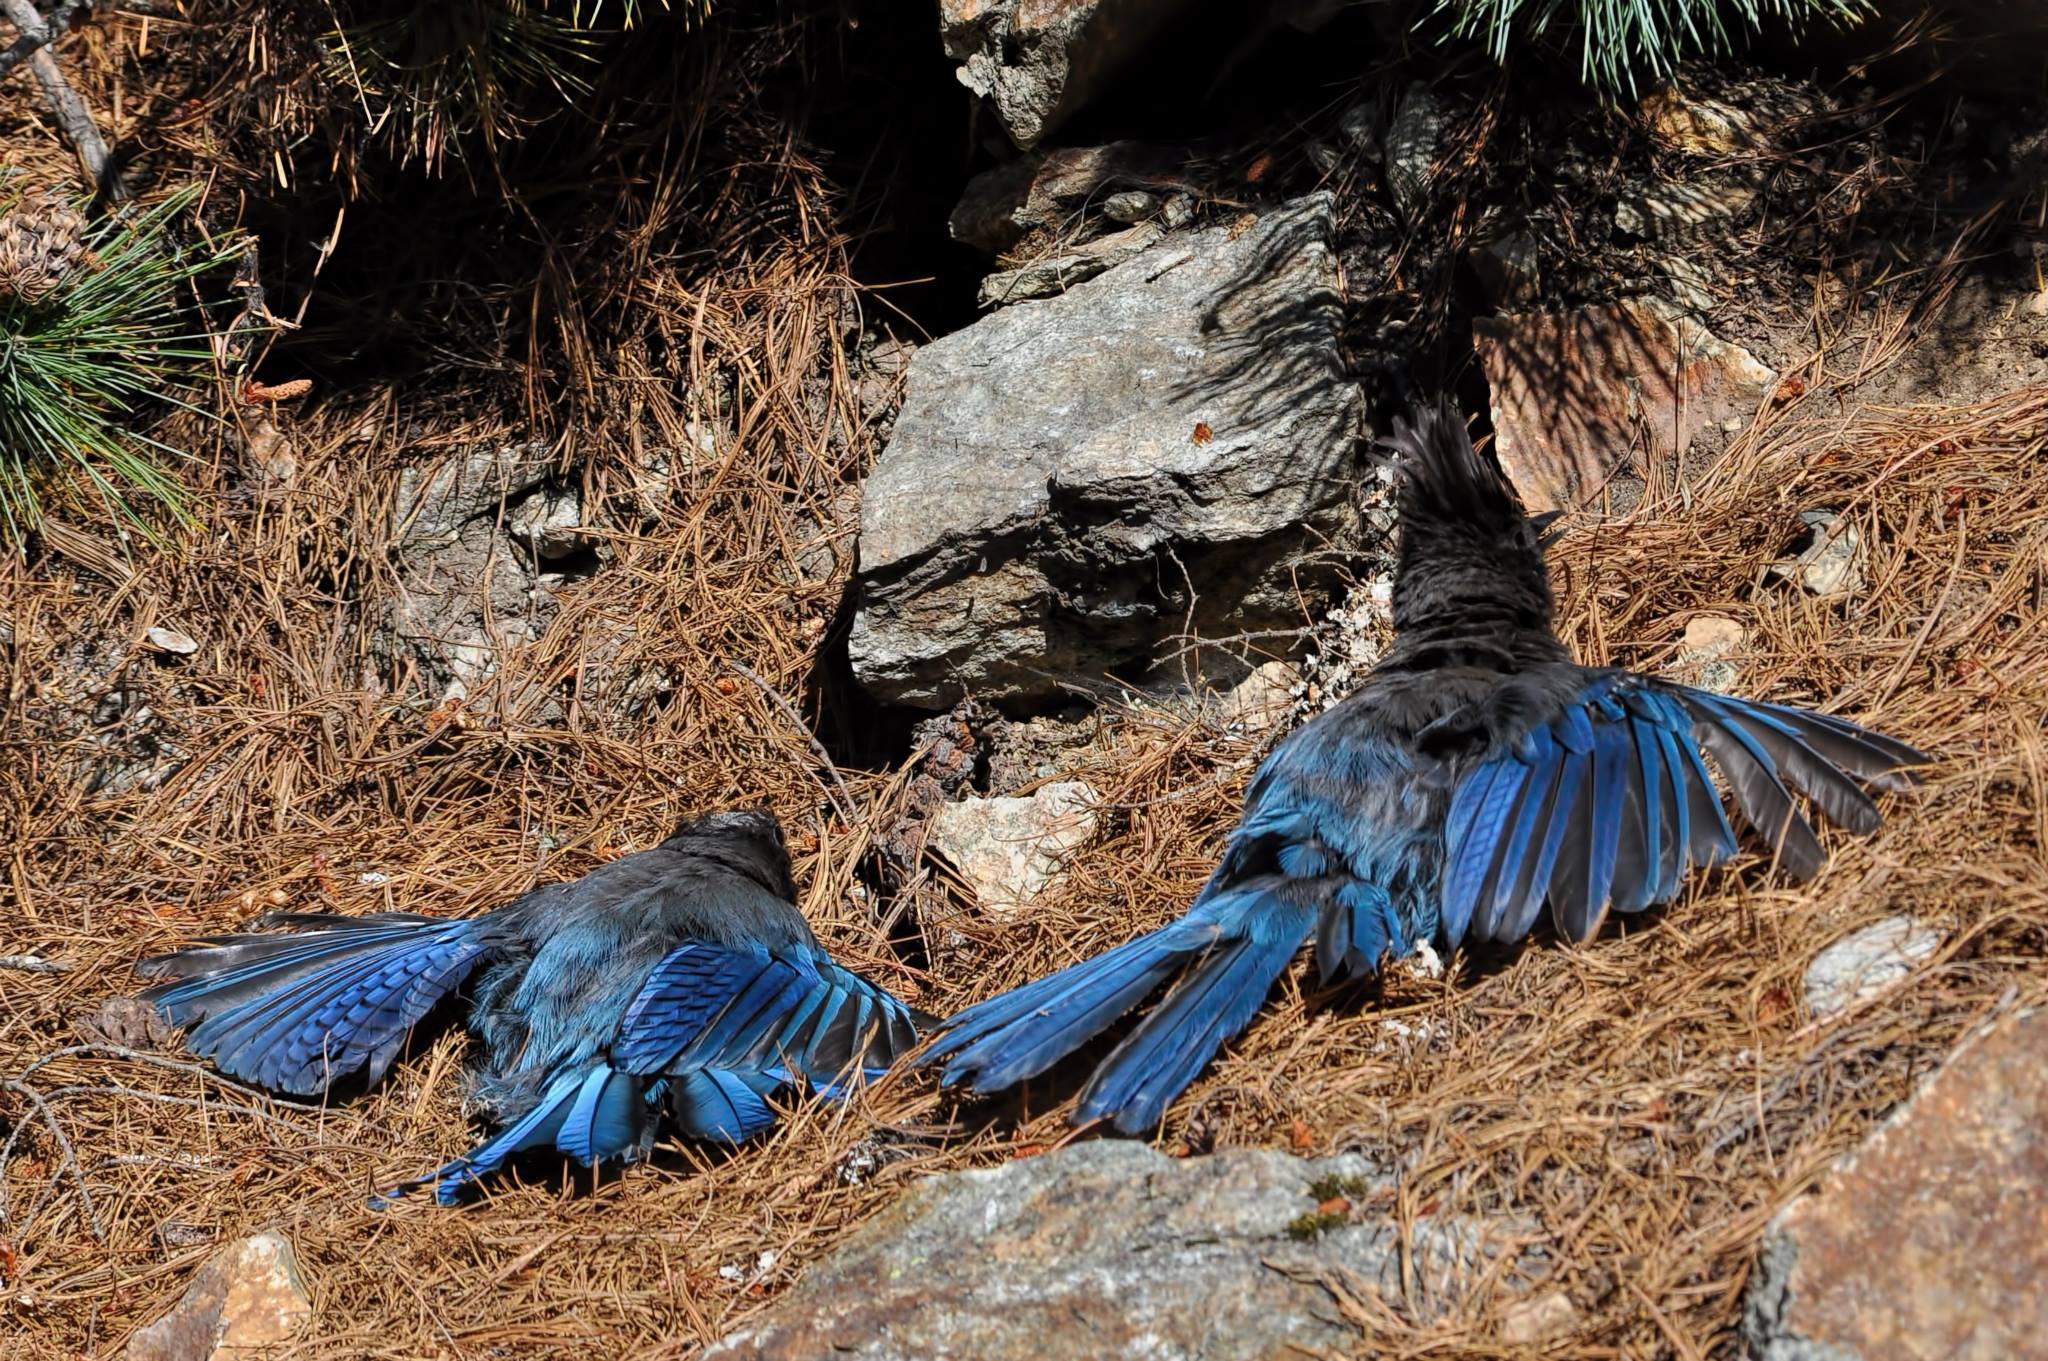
<point>680,981</point>
<point>1476,776</point>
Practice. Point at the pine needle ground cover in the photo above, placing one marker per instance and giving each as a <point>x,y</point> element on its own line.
<point>1639,1107</point>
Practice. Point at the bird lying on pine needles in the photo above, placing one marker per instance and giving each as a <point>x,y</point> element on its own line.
<point>1477,775</point>
<point>681,981</point>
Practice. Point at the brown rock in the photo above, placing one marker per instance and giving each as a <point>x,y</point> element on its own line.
<point>1704,127</point>
<point>1621,388</point>
<point>1930,1241</point>
<point>248,1297</point>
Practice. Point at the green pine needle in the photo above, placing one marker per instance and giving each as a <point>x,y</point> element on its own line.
<point>1623,40</point>
<point>80,368</point>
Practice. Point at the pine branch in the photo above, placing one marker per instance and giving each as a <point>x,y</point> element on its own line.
<point>73,118</point>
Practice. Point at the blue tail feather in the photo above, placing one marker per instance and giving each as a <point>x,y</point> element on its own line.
<point>1208,1007</point>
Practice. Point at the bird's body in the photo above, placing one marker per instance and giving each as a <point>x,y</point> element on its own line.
<point>1476,775</point>
<point>681,980</point>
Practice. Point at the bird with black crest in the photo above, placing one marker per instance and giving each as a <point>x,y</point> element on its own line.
<point>1476,777</point>
<point>679,982</point>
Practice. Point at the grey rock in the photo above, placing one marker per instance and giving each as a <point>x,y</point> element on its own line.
<point>1865,963</point>
<point>1414,137</point>
<point>1065,475</point>
<point>435,499</point>
<point>1178,212</point>
<point>1831,563</point>
<point>460,606</point>
<point>1110,1249</point>
<point>248,1299</point>
<point>1010,850</point>
<point>1051,277</point>
<point>1132,205</point>
<point>1050,190</point>
<point>1927,1241</point>
<point>1037,61</point>
<point>1360,125</point>
<point>550,523</point>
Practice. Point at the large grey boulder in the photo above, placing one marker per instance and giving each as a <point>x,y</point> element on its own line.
<point>1111,1249</point>
<point>1072,482</point>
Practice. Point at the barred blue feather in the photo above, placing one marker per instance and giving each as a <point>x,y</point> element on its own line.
<point>1476,778</point>
<point>680,981</point>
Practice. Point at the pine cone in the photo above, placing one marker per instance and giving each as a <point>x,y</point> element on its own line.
<point>41,243</point>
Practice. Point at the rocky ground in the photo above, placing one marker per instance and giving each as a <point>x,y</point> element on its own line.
<point>998,595</point>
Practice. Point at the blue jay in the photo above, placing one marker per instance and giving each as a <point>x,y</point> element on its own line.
<point>1477,775</point>
<point>681,979</point>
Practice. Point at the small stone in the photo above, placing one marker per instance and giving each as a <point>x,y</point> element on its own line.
<point>1413,137</point>
<point>1679,211</point>
<point>272,458</point>
<point>1865,963</point>
<point>1360,126</point>
<point>1705,652</point>
<point>1537,1319</point>
<point>1045,191</point>
<point>171,640</point>
<point>550,522</point>
<point>1132,205</point>
<point>1010,850</point>
<point>249,1296</point>
<point>1928,1240</point>
<point>1324,157</point>
<point>1831,564</point>
<point>1262,699</point>
<point>1703,127</point>
<point>1178,212</point>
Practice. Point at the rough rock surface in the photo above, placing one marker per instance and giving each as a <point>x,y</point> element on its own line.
<point>1831,562</point>
<point>436,499</point>
<point>1008,850</point>
<point>248,1298</point>
<point>1110,1249</point>
<point>1037,61</point>
<point>1930,1241</point>
<point>1065,474</point>
<point>1865,963</point>
<point>1576,395</point>
<point>1046,190</point>
<point>1058,273</point>
<point>459,606</point>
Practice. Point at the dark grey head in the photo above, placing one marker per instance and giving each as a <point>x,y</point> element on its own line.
<point>748,841</point>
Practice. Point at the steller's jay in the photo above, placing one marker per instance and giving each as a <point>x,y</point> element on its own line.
<point>679,979</point>
<point>1477,774</point>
